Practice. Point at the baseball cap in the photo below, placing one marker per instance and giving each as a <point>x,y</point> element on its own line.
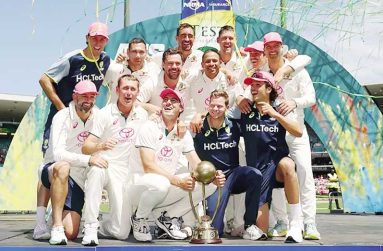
<point>175,93</point>
<point>261,76</point>
<point>98,29</point>
<point>272,37</point>
<point>256,46</point>
<point>85,86</point>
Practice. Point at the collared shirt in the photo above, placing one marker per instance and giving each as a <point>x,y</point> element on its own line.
<point>264,138</point>
<point>68,134</point>
<point>145,76</point>
<point>167,147</point>
<point>236,65</point>
<point>191,64</point>
<point>299,88</point>
<point>110,123</point>
<point>201,87</point>
<point>151,94</point>
<point>71,69</point>
<point>75,67</point>
<point>219,146</point>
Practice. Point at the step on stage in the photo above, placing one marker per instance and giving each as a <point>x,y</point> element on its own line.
<point>339,232</point>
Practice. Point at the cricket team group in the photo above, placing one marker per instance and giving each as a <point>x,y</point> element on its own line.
<point>243,111</point>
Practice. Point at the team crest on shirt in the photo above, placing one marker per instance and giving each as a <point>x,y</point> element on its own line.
<point>200,90</point>
<point>165,154</point>
<point>252,114</point>
<point>193,58</point>
<point>83,67</point>
<point>81,137</point>
<point>101,64</point>
<point>126,135</point>
<point>227,130</point>
<point>236,67</point>
<point>143,73</point>
<point>181,86</point>
<point>75,124</point>
<point>115,122</point>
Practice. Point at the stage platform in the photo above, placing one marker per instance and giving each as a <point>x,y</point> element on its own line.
<point>340,232</point>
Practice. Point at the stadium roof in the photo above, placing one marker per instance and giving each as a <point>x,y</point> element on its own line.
<point>377,91</point>
<point>13,107</point>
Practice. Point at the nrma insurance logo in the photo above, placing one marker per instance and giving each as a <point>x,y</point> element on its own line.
<point>194,4</point>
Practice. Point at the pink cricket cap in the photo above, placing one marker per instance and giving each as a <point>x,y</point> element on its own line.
<point>85,86</point>
<point>272,37</point>
<point>256,46</point>
<point>98,29</point>
<point>175,93</point>
<point>261,76</point>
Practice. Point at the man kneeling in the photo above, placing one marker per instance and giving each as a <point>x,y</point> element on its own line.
<point>155,186</point>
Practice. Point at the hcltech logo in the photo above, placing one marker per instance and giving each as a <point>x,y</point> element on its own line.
<point>194,5</point>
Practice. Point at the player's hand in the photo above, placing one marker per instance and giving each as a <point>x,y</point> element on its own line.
<point>196,123</point>
<point>266,109</point>
<point>107,145</point>
<point>98,161</point>
<point>187,183</point>
<point>244,104</point>
<point>283,73</point>
<point>155,114</point>
<point>291,54</point>
<point>121,58</point>
<point>242,51</point>
<point>286,106</point>
<point>231,80</point>
<point>220,179</point>
<point>181,129</point>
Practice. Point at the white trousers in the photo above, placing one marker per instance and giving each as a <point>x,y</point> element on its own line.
<point>112,179</point>
<point>300,152</point>
<point>151,193</point>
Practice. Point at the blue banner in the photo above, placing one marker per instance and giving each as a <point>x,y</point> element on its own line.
<point>192,7</point>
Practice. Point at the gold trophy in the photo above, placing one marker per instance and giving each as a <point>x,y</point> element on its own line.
<point>204,233</point>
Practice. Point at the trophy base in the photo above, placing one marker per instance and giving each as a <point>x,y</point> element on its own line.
<point>205,236</point>
<point>200,241</point>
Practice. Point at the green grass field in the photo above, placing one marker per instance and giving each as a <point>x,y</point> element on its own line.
<point>323,204</point>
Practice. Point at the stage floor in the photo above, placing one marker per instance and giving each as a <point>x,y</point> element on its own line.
<point>336,230</point>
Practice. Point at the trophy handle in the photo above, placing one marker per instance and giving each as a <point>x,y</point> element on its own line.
<point>218,203</point>
<point>204,204</point>
<point>193,208</point>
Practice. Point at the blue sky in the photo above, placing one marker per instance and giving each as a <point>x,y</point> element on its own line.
<point>35,36</point>
<point>37,32</point>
